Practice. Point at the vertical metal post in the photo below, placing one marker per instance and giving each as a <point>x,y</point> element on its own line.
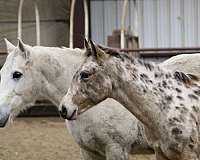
<point>135,27</point>
<point>71,28</point>
<point>124,11</point>
<point>86,19</point>
<point>37,19</point>
<point>19,32</point>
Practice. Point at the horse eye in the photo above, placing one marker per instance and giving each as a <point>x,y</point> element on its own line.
<point>84,75</point>
<point>17,75</point>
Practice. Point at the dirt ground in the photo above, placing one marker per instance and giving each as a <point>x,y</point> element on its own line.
<point>40,139</point>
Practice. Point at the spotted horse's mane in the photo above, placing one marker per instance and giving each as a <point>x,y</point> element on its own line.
<point>186,78</point>
<point>108,50</point>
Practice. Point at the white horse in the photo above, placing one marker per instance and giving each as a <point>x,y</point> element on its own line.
<point>188,63</point>
<point>32,72</point>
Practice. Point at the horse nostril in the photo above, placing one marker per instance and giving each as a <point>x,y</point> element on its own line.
<point>63,112</point>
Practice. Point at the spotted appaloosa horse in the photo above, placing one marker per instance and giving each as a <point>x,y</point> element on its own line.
<point>167,103</point>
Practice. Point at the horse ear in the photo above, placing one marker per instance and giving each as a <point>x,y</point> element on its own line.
<point>96,51</point>
<point>86,44</point>
<point>93,47</point>
<point>21,46</point>
<point>9,46</point>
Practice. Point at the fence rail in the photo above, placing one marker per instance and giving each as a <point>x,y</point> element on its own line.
<point>156,52</point>
<point>33,21</point>
<point>162,52</point>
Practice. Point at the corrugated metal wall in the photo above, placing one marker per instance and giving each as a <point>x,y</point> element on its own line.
<point>106,16</point>
<point>159,23</point>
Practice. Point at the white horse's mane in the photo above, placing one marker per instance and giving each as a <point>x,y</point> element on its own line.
<point>58,49</point>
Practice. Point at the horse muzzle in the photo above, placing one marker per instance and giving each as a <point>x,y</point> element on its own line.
<point>66,115</point>
<point>4,120</point>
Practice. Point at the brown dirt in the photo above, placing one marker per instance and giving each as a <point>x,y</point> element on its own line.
<point>40,139</point>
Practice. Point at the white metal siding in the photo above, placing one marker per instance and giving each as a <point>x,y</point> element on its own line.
<point>105,17</point>
<point>161,23</point>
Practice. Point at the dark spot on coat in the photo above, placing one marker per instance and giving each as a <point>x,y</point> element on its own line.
<point>197,92</point>
<point>149,81</point>
<point>155,89</point>
<point>178,90</point>
<point>176,131</point>
<point>161,90</point>
<point>177,107</point>
<point>180,98</point>
<point>164,83</point>
<point>168,75</point>
<point>134,76</point>
<point>181,104</point>
<point>168,98</point>
<point>195,108</point>
<point>180,76</point>
<point>144,91</point>
<point>192,96</point>
<point>168,87</point>
<point>140,62</point>
<point>148,66</point>
<point>158,74</point>
<point>173,121</point>
<point>143,76</point>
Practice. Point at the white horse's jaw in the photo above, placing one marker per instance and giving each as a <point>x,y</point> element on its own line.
<point>4,116</point>
<point>4,121</point>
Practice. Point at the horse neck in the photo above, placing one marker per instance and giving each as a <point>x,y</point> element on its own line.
<point>135,90</point>
<point>57,67</point>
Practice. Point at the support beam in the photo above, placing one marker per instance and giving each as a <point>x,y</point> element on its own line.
<point>37,19</point>
<point>86,19</point>
<point>19,32</point>
<point>124,12</point>
<point>71,28</point>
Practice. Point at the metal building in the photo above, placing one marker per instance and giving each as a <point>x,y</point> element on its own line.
<point>157,23</point>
